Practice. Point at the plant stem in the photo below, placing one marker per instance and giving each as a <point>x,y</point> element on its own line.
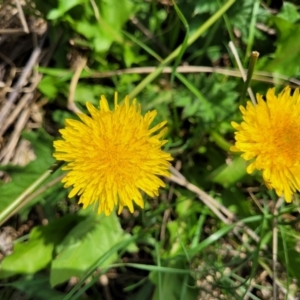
<point>13,206</point>
<point>252,63</point>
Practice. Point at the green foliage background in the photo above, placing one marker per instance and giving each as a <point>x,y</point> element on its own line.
<point>157,259</point>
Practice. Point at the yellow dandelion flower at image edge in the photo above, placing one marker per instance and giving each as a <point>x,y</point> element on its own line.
<point>270,137</point>
<point>113,155</point>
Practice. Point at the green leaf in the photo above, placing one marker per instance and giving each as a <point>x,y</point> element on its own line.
<point>88,93</point>
<point>287,50</point>
<point>289,12</point>
<point>206,6</point>
<point>83,246</point>
<point>34,255</point>
<point>178,231</point>
<point>63,7</point>
<point>50,85</point>
<point>22,177</point>
<point>227,175</point>
<point>291,239</point>
<point>37,287</point>
<point>144,292</point>
<point>101,31</point>
<point>174,286</point>
<point>215,103</point>
<point>234,200</point>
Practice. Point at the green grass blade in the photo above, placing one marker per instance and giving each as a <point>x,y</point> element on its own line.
<point>148,79</point>
<point>184,44</point>
<point>119,246</point>
<point>252,30</point>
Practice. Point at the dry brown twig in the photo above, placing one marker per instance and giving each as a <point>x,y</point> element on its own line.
<point>23,153</point>
<point>21,82</point>
<point>243,73</point>
<point>22,19</point>
<point>71,104</point>
<point>21,16</point>
<point>8,151</point>
<point>226,216</point>
<point>6,87</point>
<point>15,112</point>
<point>258,75</point>
<point>220,210</point>
<point>278,283</point>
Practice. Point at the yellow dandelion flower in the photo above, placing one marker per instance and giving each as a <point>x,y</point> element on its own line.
<point>270,137</point>
<point>113,155</point>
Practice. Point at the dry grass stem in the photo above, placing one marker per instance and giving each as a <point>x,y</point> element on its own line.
<point>8,151</point>
<point>32,196</point>
<point>219,209</point>
<point>23,153</point>
<point>277,281</point>
<point>21,82</point>
<point>21,16</point>
<point>15,112</point>
<point>243,73</point>
<point>258,75</point>
<point>71,104</point>
<point>215,207</point>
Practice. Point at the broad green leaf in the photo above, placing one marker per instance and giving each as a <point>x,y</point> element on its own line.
<point>63,7</point>
<point>83,246</point>
<point>22,177</point>
<point>50,86</point>
<point>102,25</point>
<point>289,12</point>
<point>228,175</point>
<point>36,254</point>
<point>37,287</point>
<point>287,50</point>
<point>88,93</point>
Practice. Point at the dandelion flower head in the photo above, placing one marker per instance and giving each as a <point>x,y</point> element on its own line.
<point>269,136</point>
<point>113,155</point>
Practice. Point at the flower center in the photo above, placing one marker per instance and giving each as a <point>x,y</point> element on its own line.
<point>284,143</point>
